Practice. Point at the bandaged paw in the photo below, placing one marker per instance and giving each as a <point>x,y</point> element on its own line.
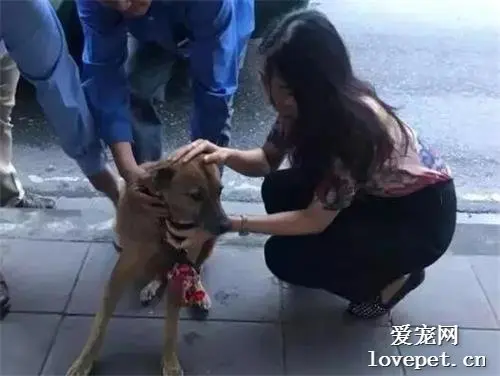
<point>185,278</point>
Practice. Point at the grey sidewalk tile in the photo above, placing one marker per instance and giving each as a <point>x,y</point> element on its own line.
<point>487,269</point>
<point>472,345</point>
<point>450,295</point>
<point>24,342</point>
<point>41,274</point>
<point>476,239</point>
<point>327,347</point>
<point>237,280</point>
<point>89,289</point>
<point>134,347</point>
<point>241,286</point>
<point>302,304</point>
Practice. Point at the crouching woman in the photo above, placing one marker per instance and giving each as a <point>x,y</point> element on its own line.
<point>365,207</point>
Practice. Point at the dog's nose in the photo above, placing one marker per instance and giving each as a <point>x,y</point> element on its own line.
<point>224,225</point>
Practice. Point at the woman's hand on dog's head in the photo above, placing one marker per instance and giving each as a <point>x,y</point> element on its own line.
<point>215,154</point>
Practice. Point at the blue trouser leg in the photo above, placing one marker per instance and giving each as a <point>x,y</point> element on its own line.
<point>35,40</point>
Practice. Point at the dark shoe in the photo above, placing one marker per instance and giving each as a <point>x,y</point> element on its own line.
<point>32,201</point>
<point>4,298</point>
<point>375,308</point>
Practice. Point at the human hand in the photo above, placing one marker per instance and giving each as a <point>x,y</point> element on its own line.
<point>215,154</point>
<point>142,193</point>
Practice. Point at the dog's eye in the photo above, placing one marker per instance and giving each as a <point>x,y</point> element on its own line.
<point>196,195</point>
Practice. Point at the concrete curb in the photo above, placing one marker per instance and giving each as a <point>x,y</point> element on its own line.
<point>90,220</point>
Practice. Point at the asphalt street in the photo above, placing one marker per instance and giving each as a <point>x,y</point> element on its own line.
<point>438,62</point>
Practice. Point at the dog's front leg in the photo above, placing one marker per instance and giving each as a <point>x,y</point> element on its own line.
<point>171,365</point>
<point>122,274</point>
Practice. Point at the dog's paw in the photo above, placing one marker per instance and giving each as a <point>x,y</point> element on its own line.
<point>79,368</point>
<point>150,292</point>
<point>200,310</point>
<point>171,367</point>
<point>205,304</point>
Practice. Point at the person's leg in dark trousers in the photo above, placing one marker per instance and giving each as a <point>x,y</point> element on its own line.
<point>309,260</point>
<point>367,246</point>
<point>149,69</point>
<point>286,190</point>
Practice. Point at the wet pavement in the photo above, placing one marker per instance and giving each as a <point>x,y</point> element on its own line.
<point>58,261</point>
<point>437,61</point>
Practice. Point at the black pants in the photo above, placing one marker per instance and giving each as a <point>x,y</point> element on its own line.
<point>367,246</point>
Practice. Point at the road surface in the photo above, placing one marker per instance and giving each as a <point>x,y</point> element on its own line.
<point>439,62</point>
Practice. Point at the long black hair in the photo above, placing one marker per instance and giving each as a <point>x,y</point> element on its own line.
<point>305,50</point>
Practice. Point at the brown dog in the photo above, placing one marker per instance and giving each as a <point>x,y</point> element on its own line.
<point>191,193</point>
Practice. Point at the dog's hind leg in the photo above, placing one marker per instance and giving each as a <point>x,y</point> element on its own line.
<point>171,365</point>
<point>123,272</point>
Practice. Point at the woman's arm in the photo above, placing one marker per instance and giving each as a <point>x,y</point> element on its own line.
<point>313,220</point>
<point>335,193</point>
<point>255,162</point>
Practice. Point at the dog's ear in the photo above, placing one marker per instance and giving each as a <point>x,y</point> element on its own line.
<point>162,177</point>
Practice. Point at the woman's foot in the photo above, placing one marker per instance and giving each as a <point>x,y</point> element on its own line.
<point>4,297</point>
<point>379,306</point>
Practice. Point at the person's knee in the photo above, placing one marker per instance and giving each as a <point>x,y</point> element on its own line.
<point>266,189</point>
<point>273,258</point>
<point>285,190</point>
<point>270,191</point>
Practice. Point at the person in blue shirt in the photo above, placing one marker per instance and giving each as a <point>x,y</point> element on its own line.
<point>129,48</point>
<point>33,42</point>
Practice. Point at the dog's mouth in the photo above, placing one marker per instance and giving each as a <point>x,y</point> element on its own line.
<point>182,225</point>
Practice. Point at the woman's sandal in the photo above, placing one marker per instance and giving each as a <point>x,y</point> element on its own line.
<point>4,299</point>
<point>375,308</point>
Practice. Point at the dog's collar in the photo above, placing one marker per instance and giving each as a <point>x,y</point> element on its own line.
<point>176,226</point>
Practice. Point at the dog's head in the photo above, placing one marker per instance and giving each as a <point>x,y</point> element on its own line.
<point>192,193</point>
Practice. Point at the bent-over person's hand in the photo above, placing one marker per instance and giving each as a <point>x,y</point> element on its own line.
<point>142,193</point>
<point>214,153</point>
